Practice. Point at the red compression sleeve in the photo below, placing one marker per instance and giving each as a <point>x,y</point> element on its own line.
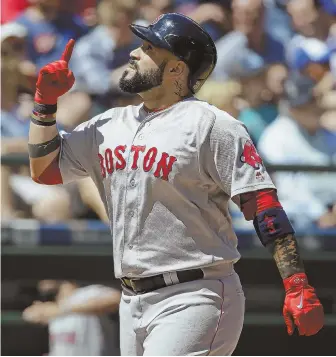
<point>252,203</point>
<point>267,198</point>
<point>52,174</point>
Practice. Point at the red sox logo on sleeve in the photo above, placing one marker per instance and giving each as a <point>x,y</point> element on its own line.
<point>161,163</point>
<point>250,156</point>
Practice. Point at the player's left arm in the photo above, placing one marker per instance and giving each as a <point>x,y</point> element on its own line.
<point>233,163</point>
<point>301,307</point>
<point>106,302</point>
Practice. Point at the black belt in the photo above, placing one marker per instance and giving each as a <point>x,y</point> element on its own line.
<point>145,285</point>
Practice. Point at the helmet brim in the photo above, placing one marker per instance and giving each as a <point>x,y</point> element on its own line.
<point>147,34</point>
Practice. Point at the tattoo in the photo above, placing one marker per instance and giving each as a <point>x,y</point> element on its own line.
<point>179,88</point>
<point>43,149</point>
<point>286,255</point>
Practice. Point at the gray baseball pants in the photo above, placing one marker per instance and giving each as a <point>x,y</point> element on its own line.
<point>202,317</point>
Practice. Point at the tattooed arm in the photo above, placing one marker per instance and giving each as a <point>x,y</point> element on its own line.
<point>273,228</point>
<point>302,309</point>
<point>286,255</point>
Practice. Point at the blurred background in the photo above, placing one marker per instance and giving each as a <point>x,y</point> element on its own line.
<point>276,73</point>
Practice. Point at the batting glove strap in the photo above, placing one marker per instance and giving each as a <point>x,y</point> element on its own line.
<point>295,281</point>
<point>302,307</point>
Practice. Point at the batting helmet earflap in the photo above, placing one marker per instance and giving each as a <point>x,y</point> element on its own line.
<point>186,40</point>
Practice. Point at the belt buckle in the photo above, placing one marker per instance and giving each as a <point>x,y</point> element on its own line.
<point>133,285</point>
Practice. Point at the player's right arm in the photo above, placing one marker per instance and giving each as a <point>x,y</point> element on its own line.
<point>54,80</point>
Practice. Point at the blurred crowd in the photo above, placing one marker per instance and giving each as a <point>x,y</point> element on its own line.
<point>276,72</point>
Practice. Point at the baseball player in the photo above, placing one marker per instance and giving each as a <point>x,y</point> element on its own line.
<point>77,318</point>
<point>166,170</point>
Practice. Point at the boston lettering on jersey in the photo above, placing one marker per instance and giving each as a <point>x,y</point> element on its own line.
<point>161,163</point>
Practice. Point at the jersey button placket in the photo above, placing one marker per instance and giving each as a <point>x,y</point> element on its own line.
<point>130,211</point>
<point>131,201</point>
<point>131,216</point>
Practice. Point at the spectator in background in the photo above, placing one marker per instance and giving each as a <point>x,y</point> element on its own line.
<point>329,98</point>
<point>254,100</point>
<point>97,76</point>
<point>313,46</point>
<point>48,30</point>
<point>248,100</point>
<point>314,21</point>
<point>312,58</point>
<point>298,139</point>
<point>10,9</point>
<point>20,195</point>
<point>86,9</point>
<point>15,109</point>
<point>261,95</point>
<point>312,18</point>
<point>17,189</point>
<point>249,17</point>
<point>74,201</point>
<point>276,76</point>
<point>223,95</point>
<point>255,95</point>
<point>149,10</point>
<point>254,42</point>
<point>14,44</point>
<point>77,318</point>
<point>215,17</point>
<point>331,43</point>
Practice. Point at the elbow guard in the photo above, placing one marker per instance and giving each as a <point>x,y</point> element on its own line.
<point>271,224</point>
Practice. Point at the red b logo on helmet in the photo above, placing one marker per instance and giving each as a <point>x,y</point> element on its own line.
<point>250,156</point>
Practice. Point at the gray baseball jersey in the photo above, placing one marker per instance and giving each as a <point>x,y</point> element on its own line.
<point>166,178</point>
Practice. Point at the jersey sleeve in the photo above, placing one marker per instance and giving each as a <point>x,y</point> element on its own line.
<point>77,151</point>
<point>233,162</point>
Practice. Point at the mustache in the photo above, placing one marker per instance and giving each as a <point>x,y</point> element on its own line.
<point>133,64</point>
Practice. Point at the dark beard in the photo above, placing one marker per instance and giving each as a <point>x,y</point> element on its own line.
<point>142,82</point>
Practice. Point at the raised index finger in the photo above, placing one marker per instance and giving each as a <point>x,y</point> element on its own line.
<point>68,51</point>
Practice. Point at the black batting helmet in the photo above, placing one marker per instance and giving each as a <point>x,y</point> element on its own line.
<point>186,40</point>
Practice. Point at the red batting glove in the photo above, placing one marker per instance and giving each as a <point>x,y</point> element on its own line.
<point>55,78</point>
<point>302,305</point>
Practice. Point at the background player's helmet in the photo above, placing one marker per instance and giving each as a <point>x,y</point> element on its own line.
<point>186,40</point>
